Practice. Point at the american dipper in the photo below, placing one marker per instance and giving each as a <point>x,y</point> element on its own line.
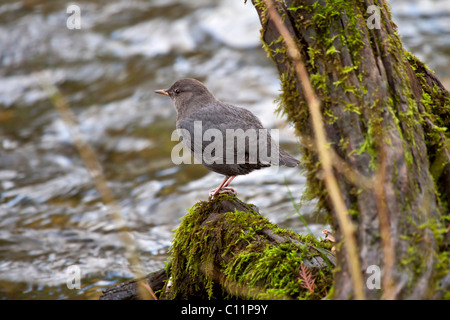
<point>240,145</point>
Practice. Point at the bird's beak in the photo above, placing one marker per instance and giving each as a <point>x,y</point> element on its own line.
<point>164,92</point>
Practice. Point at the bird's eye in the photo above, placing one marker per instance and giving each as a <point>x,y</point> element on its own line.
<point>177,91</point>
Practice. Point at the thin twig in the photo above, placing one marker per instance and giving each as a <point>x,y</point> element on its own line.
<point>320,250</point>
<point>323,152</point>
<point>144,284</point>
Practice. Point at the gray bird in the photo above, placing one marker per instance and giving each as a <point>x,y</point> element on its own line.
<point>226,139</point>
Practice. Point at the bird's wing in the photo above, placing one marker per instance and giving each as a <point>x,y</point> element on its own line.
<point>208,132</point>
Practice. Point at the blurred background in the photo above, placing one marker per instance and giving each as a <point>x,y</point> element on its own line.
<point>51,216</point>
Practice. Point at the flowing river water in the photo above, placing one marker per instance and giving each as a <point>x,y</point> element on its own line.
<point>51,215</point>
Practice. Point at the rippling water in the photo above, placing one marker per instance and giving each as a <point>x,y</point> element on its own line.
<point>51,216</point>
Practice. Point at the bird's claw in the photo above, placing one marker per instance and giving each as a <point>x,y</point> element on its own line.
<point>227,190</point>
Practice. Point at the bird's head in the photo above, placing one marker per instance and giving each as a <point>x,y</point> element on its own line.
<point>187,94</point>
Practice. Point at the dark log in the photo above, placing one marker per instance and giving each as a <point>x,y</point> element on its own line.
<point>129,290</point>
<point>387,116</point>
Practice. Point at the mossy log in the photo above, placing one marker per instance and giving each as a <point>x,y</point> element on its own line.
<point>387,117</point>
<point>224,249</point>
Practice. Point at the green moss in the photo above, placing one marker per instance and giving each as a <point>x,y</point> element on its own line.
<point>253,267</point>
<point>272,273</point>
<point>435,119</point>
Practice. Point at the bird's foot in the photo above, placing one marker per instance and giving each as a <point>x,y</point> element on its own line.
<point>229,190</point>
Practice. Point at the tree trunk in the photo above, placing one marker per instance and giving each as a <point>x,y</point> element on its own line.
<point>387,118</point>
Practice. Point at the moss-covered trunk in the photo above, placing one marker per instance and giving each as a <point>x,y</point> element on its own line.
<point>387,117</point>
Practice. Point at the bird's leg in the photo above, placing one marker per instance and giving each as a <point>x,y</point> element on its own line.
<point>223,188</point>
<point>215,192</point>
<point>226,188</point>
<point>229,181</point>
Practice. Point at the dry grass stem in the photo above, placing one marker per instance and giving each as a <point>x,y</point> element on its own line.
<point>385,227</point>
<point>91,162</point>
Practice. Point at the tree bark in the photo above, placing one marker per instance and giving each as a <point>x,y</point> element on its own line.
<point>387,118</point>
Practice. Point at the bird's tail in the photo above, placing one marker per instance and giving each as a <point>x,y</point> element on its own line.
<point>287,160</point>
